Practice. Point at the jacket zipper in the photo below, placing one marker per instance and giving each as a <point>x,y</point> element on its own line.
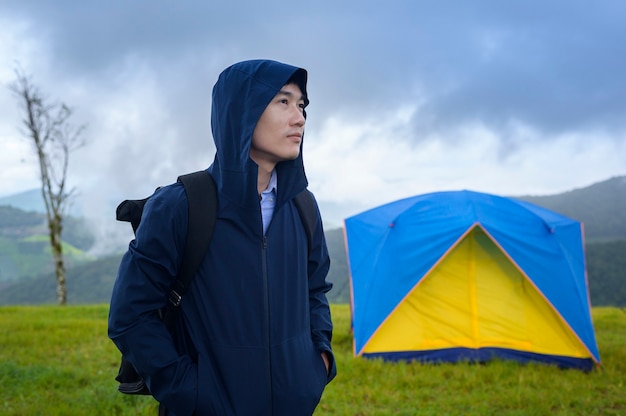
<point>266,305</point>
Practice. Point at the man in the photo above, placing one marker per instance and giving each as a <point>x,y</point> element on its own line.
<point>254,329</point>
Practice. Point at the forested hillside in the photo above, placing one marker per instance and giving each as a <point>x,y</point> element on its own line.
<point>92,282</point>
<point>338,274</point>
<point>25,247</point>
<point>600,207</point>
<point>16,223</point>
<point>87,283</point>
<point>606,268</point>
<point>26,270</point>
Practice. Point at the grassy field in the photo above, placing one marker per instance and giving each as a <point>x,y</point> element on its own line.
<point>58,361</point>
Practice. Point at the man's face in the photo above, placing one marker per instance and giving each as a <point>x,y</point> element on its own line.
<point>278,133</point>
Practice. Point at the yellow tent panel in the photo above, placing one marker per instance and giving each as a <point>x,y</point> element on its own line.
<point>475,297</point>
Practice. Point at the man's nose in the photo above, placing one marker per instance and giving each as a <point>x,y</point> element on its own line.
<point>297,118</point>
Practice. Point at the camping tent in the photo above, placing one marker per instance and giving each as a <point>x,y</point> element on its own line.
<point>455,276</point>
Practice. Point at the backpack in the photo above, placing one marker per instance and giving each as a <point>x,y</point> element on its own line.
<point>202,212</point>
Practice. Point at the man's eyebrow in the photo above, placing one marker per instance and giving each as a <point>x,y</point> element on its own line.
<point>289,94</point>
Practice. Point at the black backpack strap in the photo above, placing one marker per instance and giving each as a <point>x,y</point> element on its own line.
<point>202,213</point>
<point>307,208</point>
<point>202,202</point>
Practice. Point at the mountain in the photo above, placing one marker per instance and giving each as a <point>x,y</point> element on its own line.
<point>25,247</point>
<point>30,201</point>
<point>606,269</point>
<point>338,274</point>
<point>87,283</point>
<point>601,207</point>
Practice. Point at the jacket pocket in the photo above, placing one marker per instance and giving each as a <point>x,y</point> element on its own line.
<point>323,373</point>
<point>208,400</point>
<point>299,377</point>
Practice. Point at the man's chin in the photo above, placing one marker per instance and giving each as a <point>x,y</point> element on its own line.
<point>293,156</point>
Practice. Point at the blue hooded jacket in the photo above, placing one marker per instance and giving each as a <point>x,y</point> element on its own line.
<point>255,319</point>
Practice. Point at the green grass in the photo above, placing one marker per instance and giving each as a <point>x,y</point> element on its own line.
<point>58,361</point>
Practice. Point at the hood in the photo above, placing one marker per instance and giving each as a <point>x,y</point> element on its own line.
<point>240,95</point>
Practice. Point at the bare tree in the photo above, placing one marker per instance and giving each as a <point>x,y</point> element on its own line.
<point>53,137</point>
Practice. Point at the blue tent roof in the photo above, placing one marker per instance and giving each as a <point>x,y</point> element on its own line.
<point>407,237</point>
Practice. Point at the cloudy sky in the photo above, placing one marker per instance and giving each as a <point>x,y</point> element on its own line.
<point>407,97</point>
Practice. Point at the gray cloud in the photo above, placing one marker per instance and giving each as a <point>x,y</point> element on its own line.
<point>556,67</point>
